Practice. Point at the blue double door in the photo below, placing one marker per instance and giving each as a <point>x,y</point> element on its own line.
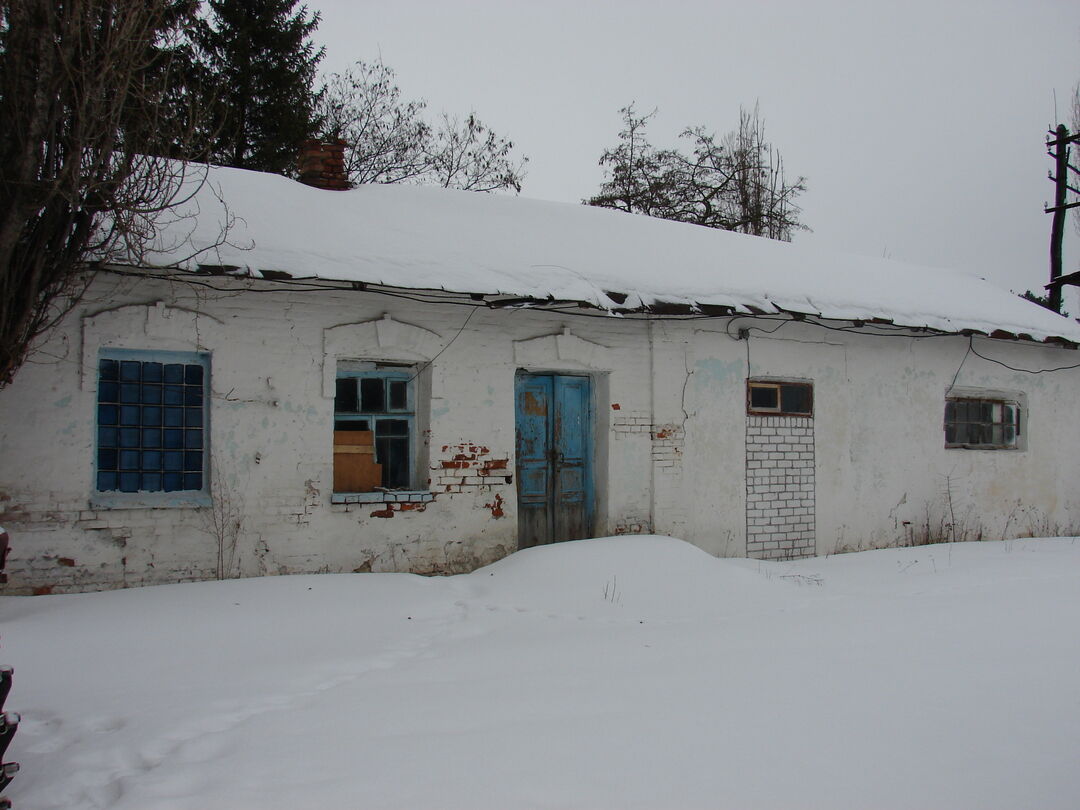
<point>554,464</point>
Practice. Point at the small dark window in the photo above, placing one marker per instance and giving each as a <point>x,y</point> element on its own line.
<point>392,447</point>
<point>399,399</point>
<point>780,398</point>
<point>795,399</point>
<point>764,397</point>
<point>345,398</point>
<point>351,424</point>
<point>371,395</point>
<point>981,424</point>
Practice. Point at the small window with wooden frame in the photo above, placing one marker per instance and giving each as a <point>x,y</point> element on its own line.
<point>779,398</point>
<point>973,423</point>
<point>374,427</point>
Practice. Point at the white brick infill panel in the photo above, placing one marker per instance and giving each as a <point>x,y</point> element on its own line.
<point>780,520</point>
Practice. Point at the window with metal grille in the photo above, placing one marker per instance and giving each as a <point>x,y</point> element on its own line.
<point>151,422</point>
<point>374,427</point>
<point>779,398</point>
<point>982,424</point>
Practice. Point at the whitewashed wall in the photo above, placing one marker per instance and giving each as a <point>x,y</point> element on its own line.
<point>671,448</point>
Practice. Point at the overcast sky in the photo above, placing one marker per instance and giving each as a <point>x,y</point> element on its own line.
<point>918,125</point>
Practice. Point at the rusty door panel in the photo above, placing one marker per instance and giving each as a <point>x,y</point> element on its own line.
<point>533,459</point>
<point>554,442</point>
<point>571,459</point>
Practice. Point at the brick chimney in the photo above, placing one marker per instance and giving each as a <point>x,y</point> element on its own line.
<point>322,164</point>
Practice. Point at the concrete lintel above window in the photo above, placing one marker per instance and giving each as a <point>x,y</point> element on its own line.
<point>163,327</point>
<point>562,351</point>
<point>384,338</point>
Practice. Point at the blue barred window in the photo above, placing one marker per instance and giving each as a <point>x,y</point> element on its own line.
<point>151,422</point>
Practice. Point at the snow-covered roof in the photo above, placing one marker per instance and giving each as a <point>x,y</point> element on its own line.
<point>437,239</point>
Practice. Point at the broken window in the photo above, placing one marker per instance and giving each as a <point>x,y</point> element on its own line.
<point>151,422</point>
<point>374,427</point>
<point>780,398</point>
<point>982,424</point>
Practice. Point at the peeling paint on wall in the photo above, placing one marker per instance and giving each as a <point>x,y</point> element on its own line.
<point>633,525</point>
<point>496,506</point>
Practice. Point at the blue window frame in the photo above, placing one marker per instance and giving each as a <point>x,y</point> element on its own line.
<point>152,421</point>
<point>380,398</point>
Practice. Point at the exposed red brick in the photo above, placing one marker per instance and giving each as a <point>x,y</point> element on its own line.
<point>388,512</point>
<point>496,507</point>
<point>65,561</point>
<point>43,590</point>
<point>496,464</point>
<point>615,406</point>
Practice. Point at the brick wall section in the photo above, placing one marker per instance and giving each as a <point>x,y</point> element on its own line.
<point>627,423</point>
<point>780,484</point>
<point>633,525</point>
<point>469,467</point>
<point>667,439</point>
<point>667,447</point>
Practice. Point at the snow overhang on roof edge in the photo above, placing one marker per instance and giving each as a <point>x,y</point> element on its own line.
<point>535,253</point>
<point>677,310</point>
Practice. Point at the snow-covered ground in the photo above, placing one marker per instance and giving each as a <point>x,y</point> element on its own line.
<point>633,672</point>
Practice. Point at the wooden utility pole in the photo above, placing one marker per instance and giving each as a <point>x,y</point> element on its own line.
<point>1058,148</point>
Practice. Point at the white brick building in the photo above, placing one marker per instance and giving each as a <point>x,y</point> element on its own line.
<point>393,379</point>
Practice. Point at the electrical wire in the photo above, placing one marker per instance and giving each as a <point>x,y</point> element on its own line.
<point>457,334</point>
<point>955,376</point>
<point>1024,370</point>
<point>575,310</point>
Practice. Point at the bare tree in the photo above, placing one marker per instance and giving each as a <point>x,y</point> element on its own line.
<point>385,135</point>
<point>764,202</point>
<point>469,156</point>
<point>737,184</point>
<point>87,91</point>
<point>639,176</point>
<point>223,519</point>
<point>390,141</point>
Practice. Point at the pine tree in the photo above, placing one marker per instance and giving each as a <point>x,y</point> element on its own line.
<point>258,65</point>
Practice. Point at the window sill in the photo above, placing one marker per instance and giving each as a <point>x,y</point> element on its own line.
<point>982,447</point>
<point>149,500</point>
<point>397,496</point>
